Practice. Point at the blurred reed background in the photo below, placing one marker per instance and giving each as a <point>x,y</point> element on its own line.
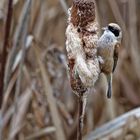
<point>37,97</point>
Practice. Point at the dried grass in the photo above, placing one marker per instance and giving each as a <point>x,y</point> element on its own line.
<point>46,107</point>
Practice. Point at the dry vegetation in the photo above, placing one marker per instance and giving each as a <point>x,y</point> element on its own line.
<point>38,103</point>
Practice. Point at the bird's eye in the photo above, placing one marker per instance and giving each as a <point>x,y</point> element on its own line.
<point>114,31</point>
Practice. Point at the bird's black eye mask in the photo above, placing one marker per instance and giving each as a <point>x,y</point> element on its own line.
<point>114,30</point>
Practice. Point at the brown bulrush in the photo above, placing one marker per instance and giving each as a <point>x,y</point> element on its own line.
<point>81,44</point>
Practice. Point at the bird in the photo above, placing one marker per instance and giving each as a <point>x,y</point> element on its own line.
<point>108,50</point>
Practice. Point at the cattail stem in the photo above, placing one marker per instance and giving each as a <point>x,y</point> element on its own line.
<point>80,119</point>
<point>82,101</point>
<point>5,46</point>
<point>82,34</point>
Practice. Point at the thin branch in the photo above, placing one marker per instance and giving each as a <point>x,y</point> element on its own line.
<point>5,102</point>
<point>64,6</point>
<point>7,93</point>
<point>63,110</point>
<point>80,119</point>
<point>19,116</point>
<point>17,37</point>
<point>113,126</point>
<point>82,101</point>
<point>5,46</point>
<point>41,133</point>
<point>18,58</point>
<point>23,43</point>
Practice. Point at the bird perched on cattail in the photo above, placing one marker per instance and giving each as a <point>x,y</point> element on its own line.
<point>107,49</point>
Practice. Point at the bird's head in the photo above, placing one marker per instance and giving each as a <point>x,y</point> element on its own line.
<point>116,30</point>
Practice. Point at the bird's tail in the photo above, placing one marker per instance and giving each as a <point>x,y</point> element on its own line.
<point>109,90</point>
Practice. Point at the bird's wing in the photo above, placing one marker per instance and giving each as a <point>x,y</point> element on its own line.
<point>115,57</point>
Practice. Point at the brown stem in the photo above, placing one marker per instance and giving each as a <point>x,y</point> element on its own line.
<point>82,100</point>
<point>5,46</point>
<point>79,129</point>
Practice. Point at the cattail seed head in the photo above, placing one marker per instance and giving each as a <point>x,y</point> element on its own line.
<point>82,12</point>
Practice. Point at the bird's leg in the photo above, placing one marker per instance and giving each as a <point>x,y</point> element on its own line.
<point>109,82</point>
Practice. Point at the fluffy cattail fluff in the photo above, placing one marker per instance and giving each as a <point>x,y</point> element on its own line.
<point>81,44</point>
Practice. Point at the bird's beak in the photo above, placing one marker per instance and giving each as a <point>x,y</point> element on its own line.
<point>104,28</point>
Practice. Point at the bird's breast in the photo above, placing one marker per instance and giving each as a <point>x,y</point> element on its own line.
<point>107,55</point>
<point>105,52</point>
<point>107,66</point>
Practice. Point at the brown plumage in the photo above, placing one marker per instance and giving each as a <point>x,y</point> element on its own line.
<point>108,49</point>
